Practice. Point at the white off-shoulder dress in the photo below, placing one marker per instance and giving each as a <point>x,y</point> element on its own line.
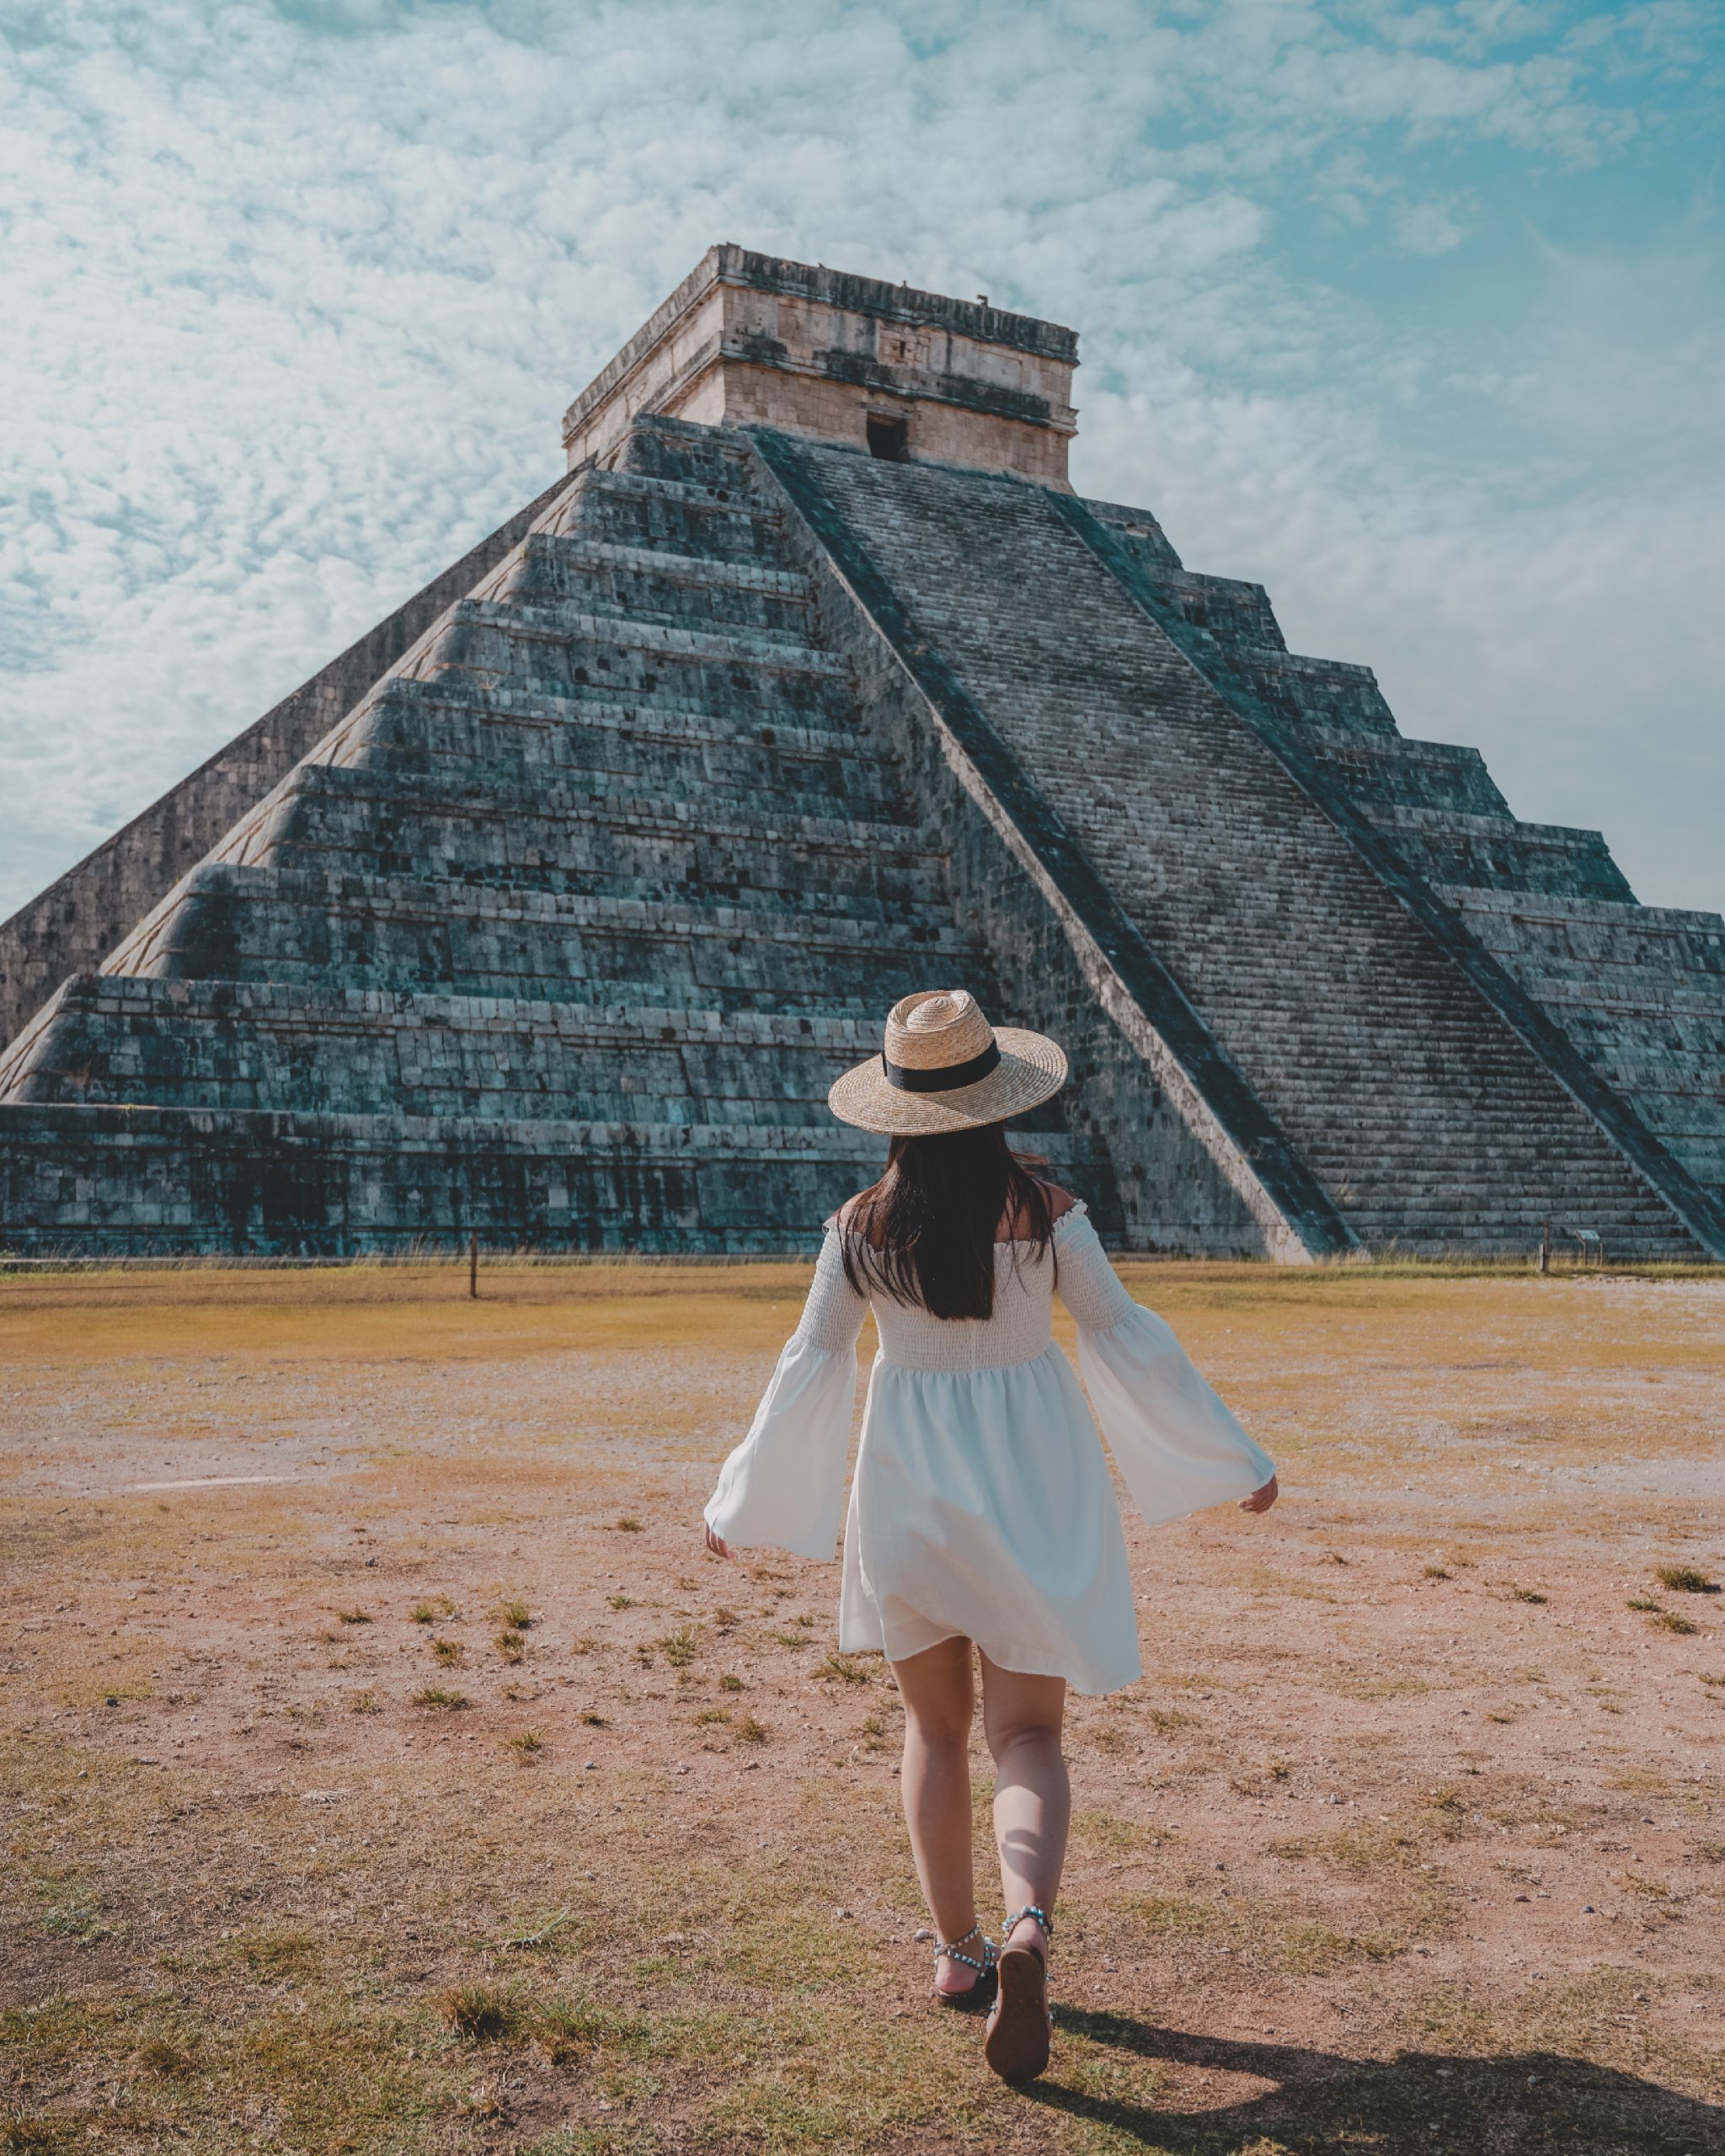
<point>982,1505</point>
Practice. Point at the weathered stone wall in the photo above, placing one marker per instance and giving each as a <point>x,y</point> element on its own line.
<point>73,924</point>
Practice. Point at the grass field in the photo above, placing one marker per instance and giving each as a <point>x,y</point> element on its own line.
<point>388,1769</point>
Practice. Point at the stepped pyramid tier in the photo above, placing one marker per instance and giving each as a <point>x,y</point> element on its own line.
<point>812,682</point>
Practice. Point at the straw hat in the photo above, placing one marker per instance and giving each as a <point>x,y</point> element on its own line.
<point>946,1068</point>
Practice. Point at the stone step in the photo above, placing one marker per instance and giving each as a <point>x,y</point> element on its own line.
<point>268,1045</point>
<point>144,1180</point>
<point>560,651</point>
<point>1227,609</point>
<point>632,508</point>
<point>1698,1079</point>
<point>568,558</point>
<point>1450,848</point>
<point>1628,993</point>
<point>1666,1045</point>
<point>1585,915</point>
<point>565,839</point>
<point>673,449</point>
<point>470,753</point>
<point>451,716</point>
<point>237,923</point>
<point>1382,769</point>
<point>682,591</point>
<point>1305,691</point>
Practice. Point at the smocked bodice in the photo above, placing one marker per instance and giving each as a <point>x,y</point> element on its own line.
<point>1020,1328</point>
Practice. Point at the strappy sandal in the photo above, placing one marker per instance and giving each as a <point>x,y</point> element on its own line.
<point>1019,2030</point>
<point>980,1994</point>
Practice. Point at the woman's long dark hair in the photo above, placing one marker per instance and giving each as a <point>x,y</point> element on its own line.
<point>925,1232</point>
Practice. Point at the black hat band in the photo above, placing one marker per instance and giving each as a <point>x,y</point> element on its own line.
<point>947,1079</point>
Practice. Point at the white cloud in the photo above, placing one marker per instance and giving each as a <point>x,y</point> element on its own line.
<point>1429,228</point>
<point>294,298</point>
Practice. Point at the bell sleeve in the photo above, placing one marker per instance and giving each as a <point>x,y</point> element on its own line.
<point>1177,1447</point>
<point>784,1485</point>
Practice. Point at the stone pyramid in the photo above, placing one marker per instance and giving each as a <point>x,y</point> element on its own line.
<point>551,911</point>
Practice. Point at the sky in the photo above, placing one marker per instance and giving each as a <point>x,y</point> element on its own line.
<point>1414,313</point>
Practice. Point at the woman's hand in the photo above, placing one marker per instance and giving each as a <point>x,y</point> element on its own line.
<point>720,1548</point>
<point>1260,1501</point>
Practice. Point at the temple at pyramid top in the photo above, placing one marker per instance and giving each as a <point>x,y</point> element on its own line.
<point>912,376</point>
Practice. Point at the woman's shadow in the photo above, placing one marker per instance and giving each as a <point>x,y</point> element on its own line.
<point>1533,2103</point>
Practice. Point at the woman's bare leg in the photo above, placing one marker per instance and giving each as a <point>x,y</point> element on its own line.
<point>1021,1718</point>
<point>938,1692</point>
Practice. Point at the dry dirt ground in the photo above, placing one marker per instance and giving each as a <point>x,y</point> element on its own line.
<point>388,1769</point>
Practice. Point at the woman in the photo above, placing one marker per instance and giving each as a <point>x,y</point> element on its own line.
<point>981,1513</point>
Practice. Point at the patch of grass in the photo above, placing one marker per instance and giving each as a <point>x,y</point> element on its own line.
<point>1369,1848</point>
<point>571,2029</point>
<point>584,1645</point>
<point>678,1647</point>
<point>592,1719</point>
<point>439,1608</point>
<point>449,1652</point>
<point>364,1703</point>
<point>22,2135</point>
<point>1314,1949</point>
<point>628,1524</point>
<point>1706,1679</point>
<point>353,1616</point>
<point>620,1601</point>
<point>1173,1913</point>
<point>481,2012</point>
<point>713,1714</point>
<point>791,1639</point>
<point>1644,1602</point>
<point>514,1616</point>
<point>1437,1572</point>
<point>1106,1831</point>
<point>1673,1623</point>
<point>273,1955</point>
<point>730,1682</point>
<point>749,1731</point>
<point>526,1743</point>
<point>159,2057</point>
<point>844,1669</point>
<point>726,1619</point>
<point>1684,1579</point>
<point>435,1695</point>
<point>511,1644</point>
<point>1165,1720</point>
<point>1525,1594</point>
<point>71,1919</point>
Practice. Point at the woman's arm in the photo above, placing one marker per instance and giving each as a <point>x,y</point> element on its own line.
<point>784,1485</point>
<point>1178,1447</point>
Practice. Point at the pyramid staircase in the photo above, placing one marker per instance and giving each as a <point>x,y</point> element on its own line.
<point>1424,1113</point>
<point>598,889</point>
